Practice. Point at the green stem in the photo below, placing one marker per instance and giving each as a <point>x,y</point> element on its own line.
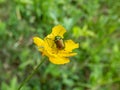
<point>30,76</point>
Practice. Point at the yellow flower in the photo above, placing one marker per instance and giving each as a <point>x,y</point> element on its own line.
<point>54,47</point>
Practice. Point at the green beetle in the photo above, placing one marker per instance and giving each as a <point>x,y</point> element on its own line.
<point>59,42</point>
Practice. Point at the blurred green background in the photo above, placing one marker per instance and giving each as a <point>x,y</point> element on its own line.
<point>94,24</point>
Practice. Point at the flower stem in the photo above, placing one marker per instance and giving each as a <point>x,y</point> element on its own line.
<point>30,76</point>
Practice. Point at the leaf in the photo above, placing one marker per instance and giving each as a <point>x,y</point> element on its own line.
<point>14,84</point>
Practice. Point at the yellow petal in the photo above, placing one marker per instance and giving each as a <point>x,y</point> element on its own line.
<point>49,42</point>
<point>67,54</point>
<point>58,31</point>
<point>70,45</point>
<point>38,41</point>
<point>43,52</point>
<point>59,60</point>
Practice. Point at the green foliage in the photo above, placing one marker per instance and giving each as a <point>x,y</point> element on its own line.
<point>77,32</point>
<point>13,85</point>
<point>94,24</point>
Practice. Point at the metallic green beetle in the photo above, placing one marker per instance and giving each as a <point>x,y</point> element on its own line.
<point>59,42</point>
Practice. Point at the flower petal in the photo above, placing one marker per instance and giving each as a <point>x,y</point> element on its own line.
<point>59,60</point>
<point>38,41</point>
<point>58,30</point>
<point>67,54</point>
<point>70,45</point>
<point>49,42</point>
